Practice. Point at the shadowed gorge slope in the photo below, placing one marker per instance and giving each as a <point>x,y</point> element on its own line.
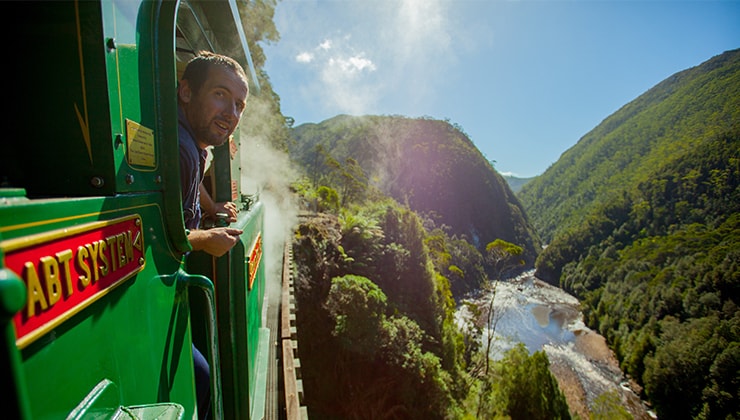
<point>428,164</point>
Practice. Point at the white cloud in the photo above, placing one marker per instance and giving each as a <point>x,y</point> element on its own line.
<point>344,86</point>
<point>304,57</point>
<point>373,51</point>
<point>351,65</point>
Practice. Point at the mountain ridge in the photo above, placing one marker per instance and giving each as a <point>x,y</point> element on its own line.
<point>516,183</point>
<point>641,218</point>
<point>610,167</point>
<point>432,166</point>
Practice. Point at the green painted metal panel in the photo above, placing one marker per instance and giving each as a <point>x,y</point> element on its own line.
<point>92,69</point>
<point>136,335</point>
<point>239,309</point>
<point>97,151</point>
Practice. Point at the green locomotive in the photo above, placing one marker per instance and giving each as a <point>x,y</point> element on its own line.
<point>100,298</point>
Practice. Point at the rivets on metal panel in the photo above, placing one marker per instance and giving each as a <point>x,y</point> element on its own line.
<point>97,182</point>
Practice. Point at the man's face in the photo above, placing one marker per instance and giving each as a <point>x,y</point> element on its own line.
<point>215,111</point>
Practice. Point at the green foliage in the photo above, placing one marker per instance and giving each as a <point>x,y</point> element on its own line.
<point>457,260</point>
<point>367,276</point>
<point>353,181</point>
<point>724,377</point>
<point>503,257</point>
<point>525,387</point>
<point>328,199</point>
<point>358,307</point>
<point>697,350</point>
<point>643,219</point>
<point>500,248</point>
<point>648,134</point>
<point>607,406</point>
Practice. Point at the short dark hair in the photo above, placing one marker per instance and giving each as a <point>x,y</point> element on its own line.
<point>197,69</point>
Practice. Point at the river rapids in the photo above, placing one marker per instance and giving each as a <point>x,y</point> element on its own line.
<point>544,317</point>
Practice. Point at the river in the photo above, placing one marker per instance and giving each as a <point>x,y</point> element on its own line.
<point>547,318</point>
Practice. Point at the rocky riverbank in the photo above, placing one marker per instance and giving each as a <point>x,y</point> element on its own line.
<point>579,389</point>
<point>546,318</point>
<point>585,368</point>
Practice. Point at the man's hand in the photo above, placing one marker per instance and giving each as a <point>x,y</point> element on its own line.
<point>228,208</point>
<point>216,241</point>
<point>212,208</point>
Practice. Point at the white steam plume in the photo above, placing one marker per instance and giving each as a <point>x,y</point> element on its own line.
<point>268,172</point>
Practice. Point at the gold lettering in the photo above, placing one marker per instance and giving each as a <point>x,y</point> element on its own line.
<point>111,243</point>
<point>128,247</point>
<point>92,248</point>
<point>83,266</point>
<point>64,257</point>
<point>119,249</point>
<point>35,291</point>
<point>104,263</point>
<point>50,269</point>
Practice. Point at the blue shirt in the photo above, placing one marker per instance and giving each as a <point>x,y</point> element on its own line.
<point>192,166</point>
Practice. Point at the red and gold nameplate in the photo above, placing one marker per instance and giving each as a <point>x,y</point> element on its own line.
<point>66,270</point>
<point>255,256</point>
<point>234,191</point>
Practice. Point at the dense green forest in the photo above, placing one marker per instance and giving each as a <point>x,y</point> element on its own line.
<point>642,219</point>
<point>641,223</point>
<point>376,326</point>
<point>377,333</point>
<point>377,276</point>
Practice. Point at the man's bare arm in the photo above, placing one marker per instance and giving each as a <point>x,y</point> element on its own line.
<point>215,241</point>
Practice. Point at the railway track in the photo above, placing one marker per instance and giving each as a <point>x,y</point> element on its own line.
<point>284,385</point>
<point>293,385</point>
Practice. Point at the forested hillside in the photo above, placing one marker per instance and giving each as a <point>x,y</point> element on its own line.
<point>430,165</point>
<point>642,221</point>
<point>402,215</point>
<point>375,280</point>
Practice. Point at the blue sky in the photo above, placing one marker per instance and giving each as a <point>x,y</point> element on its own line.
<point>524,79</point>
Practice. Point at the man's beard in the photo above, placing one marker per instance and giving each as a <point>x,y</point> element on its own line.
<point>210,138</point>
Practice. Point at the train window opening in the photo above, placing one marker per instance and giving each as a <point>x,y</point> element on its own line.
<point>191,34</point>
<point>192,37</point>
